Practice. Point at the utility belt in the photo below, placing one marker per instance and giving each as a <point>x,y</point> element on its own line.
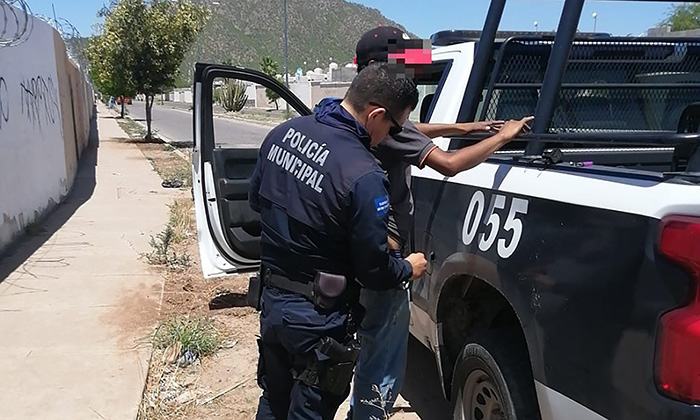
<point>327,291</point>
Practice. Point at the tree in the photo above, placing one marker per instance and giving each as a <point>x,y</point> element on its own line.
<point>110,55</point>
<point>270,67</point>
<point>684,17</point>
<point>146,42</point>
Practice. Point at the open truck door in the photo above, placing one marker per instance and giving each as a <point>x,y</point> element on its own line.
<point>224,156</point>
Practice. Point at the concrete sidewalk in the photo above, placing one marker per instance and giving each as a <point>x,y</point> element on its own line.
<point>76,303</point>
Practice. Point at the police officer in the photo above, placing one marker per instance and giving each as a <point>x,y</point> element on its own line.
<point>323,204</point>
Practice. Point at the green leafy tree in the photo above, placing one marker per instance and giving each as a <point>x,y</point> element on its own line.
<point>146,42</point>
<point>110,54</point>
<point>684,17</point>
<point>270,67</point>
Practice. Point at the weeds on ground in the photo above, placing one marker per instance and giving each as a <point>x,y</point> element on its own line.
<point>198,336</point>
<point>133,129</point>
<point>163,253</point>
<point>379,402</point>
<point>181,219</point>
<point>179,228</point>
<point>137,131</point>
<point>182,341</point>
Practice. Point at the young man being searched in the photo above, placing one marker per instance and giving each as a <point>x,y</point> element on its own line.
<point>383,332</point>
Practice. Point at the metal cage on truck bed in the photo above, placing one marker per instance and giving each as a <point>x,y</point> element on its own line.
<point>608,85</point>
<point>586,90</point>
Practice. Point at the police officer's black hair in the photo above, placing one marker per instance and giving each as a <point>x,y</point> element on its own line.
<point>378,83</point>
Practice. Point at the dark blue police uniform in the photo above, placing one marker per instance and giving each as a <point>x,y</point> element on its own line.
<point>323,204</point>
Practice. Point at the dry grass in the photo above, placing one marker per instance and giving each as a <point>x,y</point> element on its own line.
<point>133,129</point>
<point>213,387</point>
<point>181,219</point>
<point>171,167</point>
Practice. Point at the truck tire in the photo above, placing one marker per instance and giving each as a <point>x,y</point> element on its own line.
<point>492,379</point>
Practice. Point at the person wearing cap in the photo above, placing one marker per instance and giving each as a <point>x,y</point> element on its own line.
<point>383,333</point>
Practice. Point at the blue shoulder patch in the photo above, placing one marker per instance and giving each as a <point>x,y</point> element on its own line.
<point>382,205</point>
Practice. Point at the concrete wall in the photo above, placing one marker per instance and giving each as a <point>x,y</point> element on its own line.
<point>303,91</point>
<point>250,92</point>
<point>46,108</point>
<point>261,100</point>
<point>309,92</point>
<point>320,90</point>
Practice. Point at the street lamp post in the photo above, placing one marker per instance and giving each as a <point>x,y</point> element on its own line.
<point>286,64</point>
<point>535,23</point>
<point>595,20</point>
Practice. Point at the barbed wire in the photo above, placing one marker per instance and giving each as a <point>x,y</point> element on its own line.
<point>71,38</point>
<point>16,23</point>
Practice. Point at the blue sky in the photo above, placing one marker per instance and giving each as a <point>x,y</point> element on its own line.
<point>423,18</point>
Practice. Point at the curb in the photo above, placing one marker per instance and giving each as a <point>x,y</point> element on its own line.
<point>161,137</point>
<point>265,124</point>
<point>165,139</point>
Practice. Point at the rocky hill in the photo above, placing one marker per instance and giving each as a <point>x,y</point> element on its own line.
<point>243,31</point>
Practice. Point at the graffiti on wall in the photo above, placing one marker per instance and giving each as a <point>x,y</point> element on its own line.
<point>4,103</point>
<point>39,100</point>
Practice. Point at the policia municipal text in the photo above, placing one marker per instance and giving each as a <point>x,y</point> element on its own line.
<point>323,204</point>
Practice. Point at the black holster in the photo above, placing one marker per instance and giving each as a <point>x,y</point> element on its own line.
<point>332,375</point>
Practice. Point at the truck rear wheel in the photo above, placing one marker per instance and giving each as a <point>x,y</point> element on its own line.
<point>492,379</point>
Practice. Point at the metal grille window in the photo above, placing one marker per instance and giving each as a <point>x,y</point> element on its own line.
<point>610,85</point>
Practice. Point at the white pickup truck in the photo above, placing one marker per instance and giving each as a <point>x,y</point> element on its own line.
<point>564,272</point>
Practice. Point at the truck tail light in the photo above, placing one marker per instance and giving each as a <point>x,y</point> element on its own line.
<point>677,367</point>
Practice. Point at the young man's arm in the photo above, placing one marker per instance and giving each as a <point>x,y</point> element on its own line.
<point>452,163</point>
<point>433,130</point>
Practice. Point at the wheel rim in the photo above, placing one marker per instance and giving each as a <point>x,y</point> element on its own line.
<point>480,399</point>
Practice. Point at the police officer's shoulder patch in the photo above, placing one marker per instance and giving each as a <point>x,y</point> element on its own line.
<point>382,205</point>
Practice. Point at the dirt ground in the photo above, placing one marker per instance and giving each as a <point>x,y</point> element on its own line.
<point>223,385</point>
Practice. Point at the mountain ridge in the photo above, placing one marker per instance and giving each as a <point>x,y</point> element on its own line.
<point>244,31</point>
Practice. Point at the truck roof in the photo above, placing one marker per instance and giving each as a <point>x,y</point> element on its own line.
<point>458,36</point>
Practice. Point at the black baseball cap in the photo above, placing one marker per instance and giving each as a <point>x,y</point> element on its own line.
<point>374,44</point>
<point>377,44</point>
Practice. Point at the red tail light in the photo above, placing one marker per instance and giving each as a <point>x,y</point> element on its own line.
<point>678,352</point>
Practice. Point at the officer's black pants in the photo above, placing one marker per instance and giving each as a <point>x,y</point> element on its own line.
<point>290,327</point>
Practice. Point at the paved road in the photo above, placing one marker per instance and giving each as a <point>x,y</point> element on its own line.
<point>176,125</point>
